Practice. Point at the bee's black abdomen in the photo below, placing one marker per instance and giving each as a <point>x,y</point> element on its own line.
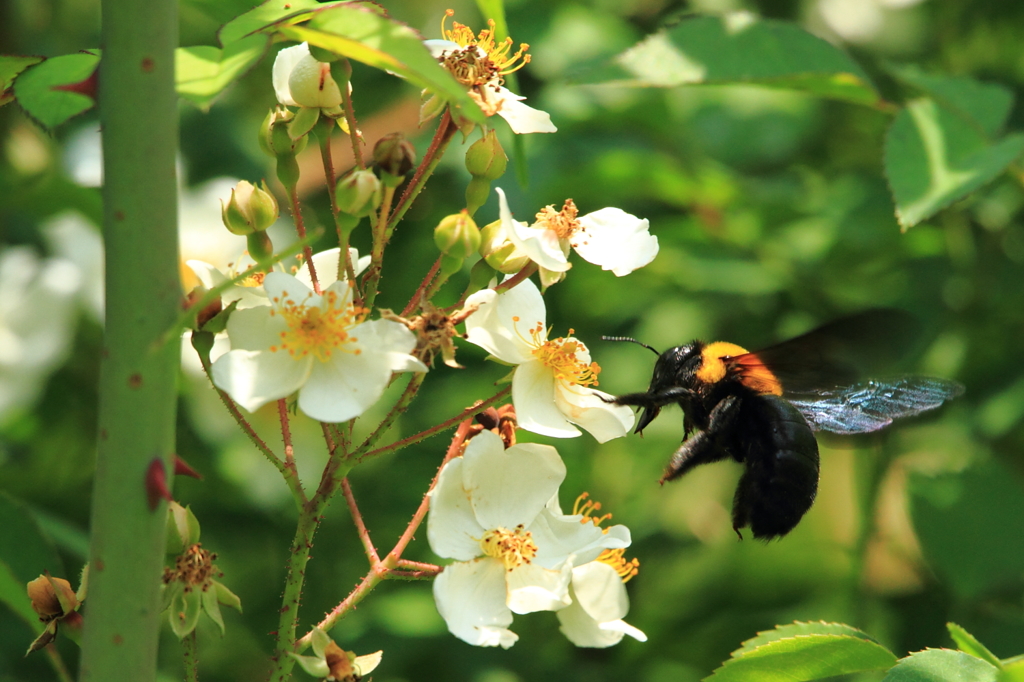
<point>780,478</point>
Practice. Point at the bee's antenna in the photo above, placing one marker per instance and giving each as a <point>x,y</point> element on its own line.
<point>631,340</point>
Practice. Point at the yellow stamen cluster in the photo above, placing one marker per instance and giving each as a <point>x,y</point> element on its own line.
<point>496,60</point>
<point>585,507</point>
<point>563,223</point>
<point>317,330</point>
<point>559,355</point>
<point>254,280</point>
<point>193,567</point>
<point>617,560</point>
<point>512,547</point>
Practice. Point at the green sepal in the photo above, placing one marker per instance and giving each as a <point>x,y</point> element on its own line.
<point>216,325</point>
<point>227,597</point>
<point>967,643</point>
<point>316,667</point>
<point>182,528</point>
<point>212,607</point>
<point>184,612</point>
<point>303,122</point>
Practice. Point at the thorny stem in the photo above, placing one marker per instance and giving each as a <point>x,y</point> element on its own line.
<point>300,229</point>
<point>190,653</point>
<point>286,432</point>
<point>325,156</point>
<point>415,381</point>
<point>445,131</point>
<point>357,518</point>
<point>353,131</point>
<point>286,469</point>
<point>471,411</point>
<point>380,240</point>
<point>417,297</point>
<point>387,566</point>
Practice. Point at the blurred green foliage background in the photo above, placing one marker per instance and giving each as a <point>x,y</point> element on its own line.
<point>773,215</point>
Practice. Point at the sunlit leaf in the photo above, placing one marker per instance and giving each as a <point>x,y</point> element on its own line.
<point>261,16</point>
<point>203,72</point>
<point>13,594</point>
<point>804,657</point>
<point>10,67</point>
<point>968,644</point>
<point>799,628</point>
<point>945,665</point>
<point>934,157</point>
<point>52,92</point>
<point>739,48</point>
<point>985,104</point>
<point>970,524</point>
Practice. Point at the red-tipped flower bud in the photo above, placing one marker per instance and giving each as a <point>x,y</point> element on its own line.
<point>395,156</point>
<point>358,193</point>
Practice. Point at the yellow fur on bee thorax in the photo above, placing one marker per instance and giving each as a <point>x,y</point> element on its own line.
<point>751,372</point>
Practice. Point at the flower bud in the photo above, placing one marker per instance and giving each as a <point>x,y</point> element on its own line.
<point>274,138</point>
<point>485,157</point>
<point>358,193</point>
<point>395,156</point>
<point>182,528</point>
<point>312,84</point>
<point>51,597</point>
<point>457,235</point>
<point>250,209</point>
<point>498,251</point>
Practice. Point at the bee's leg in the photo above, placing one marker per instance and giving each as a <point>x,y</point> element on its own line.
<point>652,400</point>
<point>706,446</point>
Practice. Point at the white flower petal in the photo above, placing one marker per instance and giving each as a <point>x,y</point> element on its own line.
<point>281,286</point>
<point>344,387</point>
<point>542,246</point>
<point>509,487</point>
<point>520,117</point>
<point>452,529</point>
<point>255,329</point>
<point>534,588</point>
<point>558,536</point>
<point>254,378</point>
<point>438,48</point>
<point>326,265</point>
<point>493,327</point>
<point>367,663</point>
<point>471,598</point>
<point>533,394</point>
<point>615,240</point>
<point>600,591</point>
<point>208,275</point>
<point>583,406</point>
<point>391,339</point>
<point>284,64</point>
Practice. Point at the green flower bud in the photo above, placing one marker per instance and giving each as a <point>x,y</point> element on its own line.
<point>358,193</point>
<point>182,528</point>
<point>485,157</point>
<point>498,251</point>
<point>395,156</point>
<point>260,247</point>
<point>250,209</point>
<point>457,235</point>
<point>274,138</point>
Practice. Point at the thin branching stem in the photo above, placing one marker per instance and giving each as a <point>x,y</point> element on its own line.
<point>403,403</point>
<point>357,519</point>
<point>190,654</point>
<point>445,131</point>
<point>300,230</point>
<point>417,297</point>
<point>471,411</point>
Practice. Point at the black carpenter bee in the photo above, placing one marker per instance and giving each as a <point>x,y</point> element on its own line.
<point>763,408</point>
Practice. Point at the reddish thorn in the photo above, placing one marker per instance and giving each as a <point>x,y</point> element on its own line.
<point>183,468</point>
<point>87,87</point>
<point>156,483</point>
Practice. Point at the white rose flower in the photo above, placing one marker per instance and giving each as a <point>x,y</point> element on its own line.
<point>302,81</point>
<point>495,511</point>
<point>551,387</point>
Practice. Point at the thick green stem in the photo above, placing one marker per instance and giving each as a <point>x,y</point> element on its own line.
<point>380,241</point>
<point>138,377</point>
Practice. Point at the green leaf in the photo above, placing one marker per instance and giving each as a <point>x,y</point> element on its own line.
<point>799,628</point>
<point>24,549</point>
<point>934,157</point>
<point>805,657</point>
<point>364,35</point>
<point>13,594</point>
<point>942,665</point>
<point>739,48</point>
<point>10,67</point>
<point>203,72</point>
<point>1013,670</point>
<point>261,16</point>
<point>983,104</point>
<point>46,91</point>
<point>967,643</point>
<point>969,525</point>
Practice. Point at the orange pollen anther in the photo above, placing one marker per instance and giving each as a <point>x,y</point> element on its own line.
<point>585,507</point>
<point>617,560</point>
<point>482,58</point>
<point>563,223</point>
<point>512,547</point>
<point>317,330</point>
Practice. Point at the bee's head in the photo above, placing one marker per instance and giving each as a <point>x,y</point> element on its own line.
<point>675,368</point>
